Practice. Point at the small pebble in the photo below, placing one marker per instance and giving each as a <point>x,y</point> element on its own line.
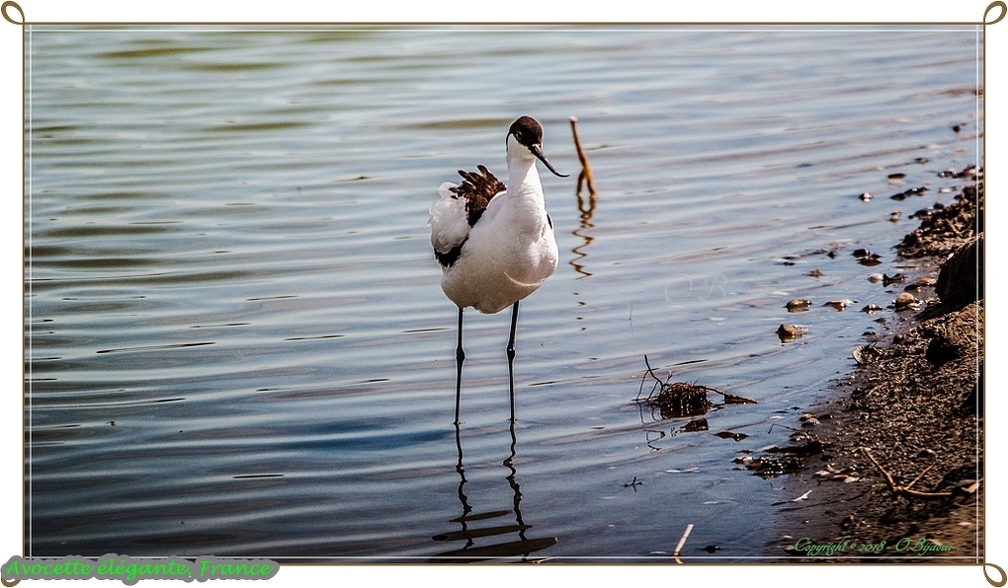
<point>790,332</point>
<point>866,257</point>
<point>815,273</point>
<point>872,308</point>
<point>839,304</point>
<point>798,304</point>
<point>920,285</point>
<point>875,278</point>
<point>904,300</point>
<point>894,216</point>
<point>731,435</point>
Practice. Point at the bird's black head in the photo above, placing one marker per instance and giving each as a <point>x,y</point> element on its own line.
<point>529,133</point>
<point>527,130</point>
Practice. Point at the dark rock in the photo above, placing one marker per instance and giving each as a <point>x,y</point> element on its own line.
<point>695,425</point>
<point>960,280</point>
<point>940,351</point>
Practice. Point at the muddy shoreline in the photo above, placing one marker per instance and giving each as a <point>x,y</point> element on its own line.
<point>915,401</point>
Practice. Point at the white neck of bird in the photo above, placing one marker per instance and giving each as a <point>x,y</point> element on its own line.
<point>523,178</point>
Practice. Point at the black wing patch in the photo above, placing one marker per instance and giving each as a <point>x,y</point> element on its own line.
<point>449,259</point>
<point>477,189</point>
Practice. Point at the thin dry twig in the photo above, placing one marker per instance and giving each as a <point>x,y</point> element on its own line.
<point>906,491</point>
<point>731,398</point>
<point>644,376</point>
<point>586,172</point>
<point>682,540</point>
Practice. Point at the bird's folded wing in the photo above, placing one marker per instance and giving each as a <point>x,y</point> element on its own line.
<point>460,206</point>
<point>448,220</point>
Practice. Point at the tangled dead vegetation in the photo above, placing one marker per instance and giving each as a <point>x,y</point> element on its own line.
<point>681,399</point>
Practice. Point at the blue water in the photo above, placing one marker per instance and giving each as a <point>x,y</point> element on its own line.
<point>236,340</point>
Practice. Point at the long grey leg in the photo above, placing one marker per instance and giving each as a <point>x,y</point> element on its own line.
<point>511,356</point>
<point>459,358</point>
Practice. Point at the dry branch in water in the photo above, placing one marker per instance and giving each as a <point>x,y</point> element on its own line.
<point>682,540</point>
<point>586,172</point>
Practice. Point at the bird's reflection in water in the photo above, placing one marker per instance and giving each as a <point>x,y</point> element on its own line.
<point>483,538</point>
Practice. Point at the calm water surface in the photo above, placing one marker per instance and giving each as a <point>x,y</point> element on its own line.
<point>236,340</point>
